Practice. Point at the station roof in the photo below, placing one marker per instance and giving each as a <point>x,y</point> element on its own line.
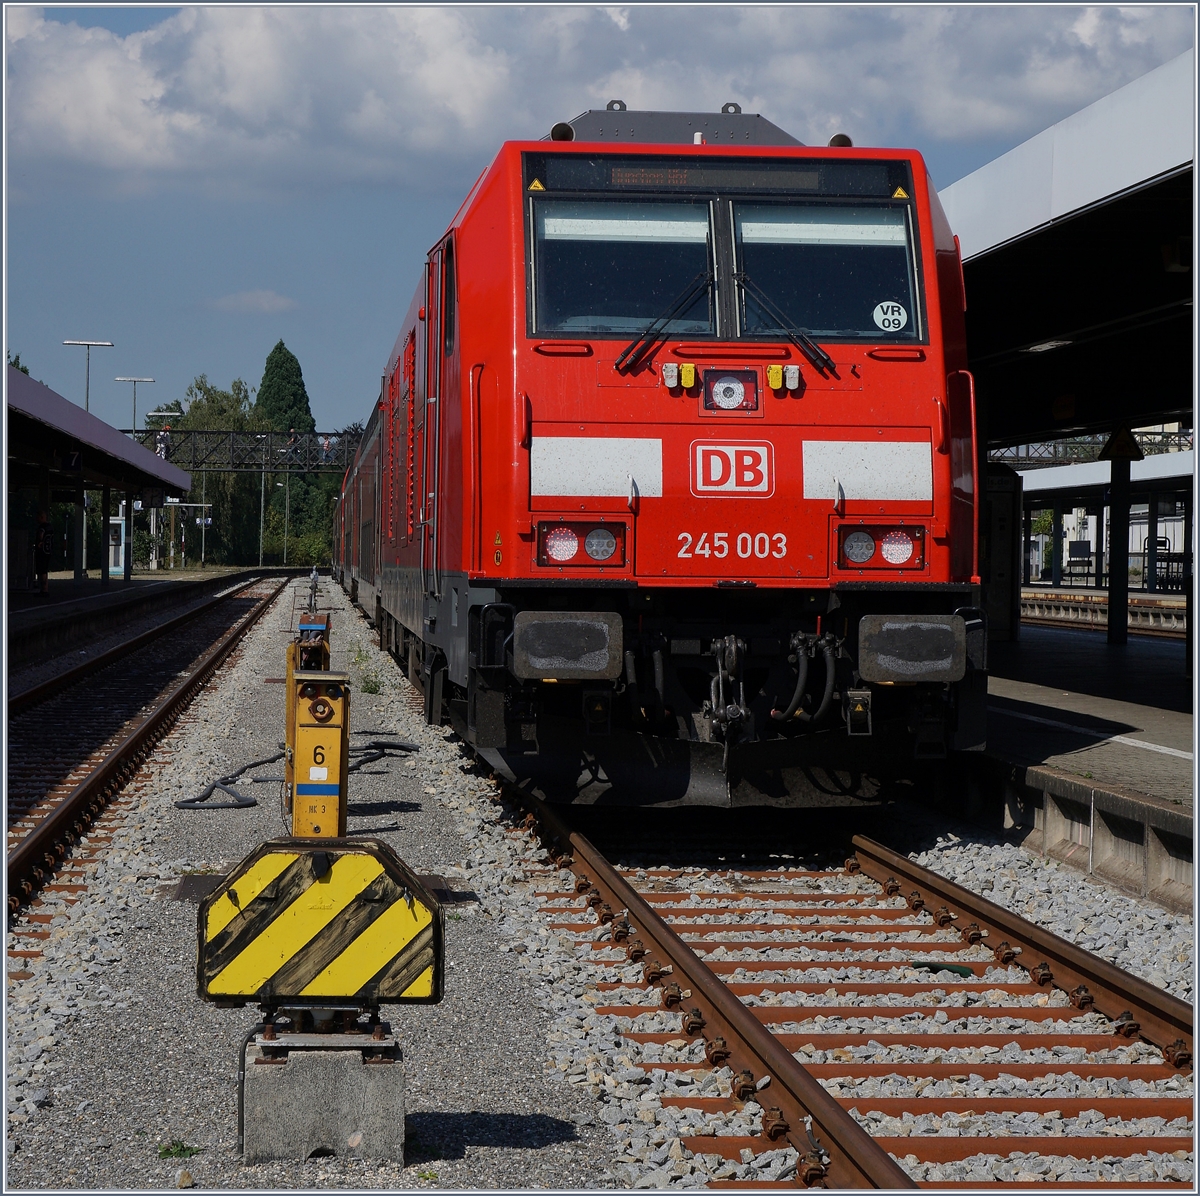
<point>1159,472</point>
<point>45,430</point>
<point>1078,265</point>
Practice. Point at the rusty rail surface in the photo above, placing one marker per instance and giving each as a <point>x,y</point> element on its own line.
<point>43,848</point>
<point>1137,1008</point>
<point>836,1151</point>
<point>18,703</point>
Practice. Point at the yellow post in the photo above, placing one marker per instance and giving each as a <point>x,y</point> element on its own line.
<point>320,752</point>
<point>309,651</point>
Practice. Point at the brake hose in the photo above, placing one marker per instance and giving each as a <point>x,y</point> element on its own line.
<point>798,696</point>
<point>827,696</point>
<point>793,708</point>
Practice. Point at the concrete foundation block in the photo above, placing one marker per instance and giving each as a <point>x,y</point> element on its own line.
<point>300,1102</point>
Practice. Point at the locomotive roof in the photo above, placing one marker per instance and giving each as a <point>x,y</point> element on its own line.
<point>616,124</point>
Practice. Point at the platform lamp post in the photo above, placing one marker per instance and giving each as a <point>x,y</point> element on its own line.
<point>80,508</point>
<point>262,501</point>
<point>135,381</point>
<point>87,377</point>
<point>285,486</point>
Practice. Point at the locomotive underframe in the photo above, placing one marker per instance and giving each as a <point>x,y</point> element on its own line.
<point>658,732</point>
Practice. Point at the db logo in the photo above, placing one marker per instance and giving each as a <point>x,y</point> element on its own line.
<point>734,469</point>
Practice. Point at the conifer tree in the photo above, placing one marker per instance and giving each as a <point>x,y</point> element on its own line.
<point>282,399</point>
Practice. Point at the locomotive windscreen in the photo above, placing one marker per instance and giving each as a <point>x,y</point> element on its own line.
<point>838,271</point>
<point>612,266</point>
<point>722,247</point>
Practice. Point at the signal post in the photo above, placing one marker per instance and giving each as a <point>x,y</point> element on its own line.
<point>319,931</point>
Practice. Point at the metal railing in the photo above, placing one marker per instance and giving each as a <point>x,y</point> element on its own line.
<point>251,452</point>
<point>1173,572</point>
<point>1076,449</point>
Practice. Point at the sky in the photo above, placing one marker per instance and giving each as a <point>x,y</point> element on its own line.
<point>195,184</point>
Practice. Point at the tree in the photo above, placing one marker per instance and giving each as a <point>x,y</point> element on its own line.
<point>15,362</point>
<point>282,399</point>
<point>211,408</point>
<point>233,537</point>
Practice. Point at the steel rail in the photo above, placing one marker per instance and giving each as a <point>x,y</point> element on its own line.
<point>731,1030</point>
<point>48,688</point>
<point>42,849</point>
<point>1136,1007</point>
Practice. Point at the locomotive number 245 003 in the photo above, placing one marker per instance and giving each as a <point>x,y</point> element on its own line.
<point>745,544</point>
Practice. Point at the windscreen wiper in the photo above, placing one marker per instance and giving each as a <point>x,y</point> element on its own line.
<point>638,350</point>
<point>815,354</point>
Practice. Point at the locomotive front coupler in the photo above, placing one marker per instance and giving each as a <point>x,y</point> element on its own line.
<point>732,719</point>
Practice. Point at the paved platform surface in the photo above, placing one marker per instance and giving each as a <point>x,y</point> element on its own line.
<point>64,591</point>
<point>1115,715</point>
<point>71,617</point>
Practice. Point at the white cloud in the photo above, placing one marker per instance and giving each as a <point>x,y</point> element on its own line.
<point>276,98</point>
<point>265,303</point>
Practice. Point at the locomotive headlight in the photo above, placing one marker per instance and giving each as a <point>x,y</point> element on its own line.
<point>731,390</point>
<point>860,548</point>
<point>897,547</point>
<point>883,547</point>
<point>562,544</point>
<point>600,544</point>
<point>586,543</point>
<point>728,393</point>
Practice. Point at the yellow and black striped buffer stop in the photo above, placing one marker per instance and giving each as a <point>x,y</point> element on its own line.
<point>314,921</point>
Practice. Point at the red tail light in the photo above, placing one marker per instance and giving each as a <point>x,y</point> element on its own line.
<point>594,543</point>
<point>881,547</point>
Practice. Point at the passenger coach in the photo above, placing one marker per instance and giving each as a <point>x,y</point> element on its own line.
<point>669,495</point>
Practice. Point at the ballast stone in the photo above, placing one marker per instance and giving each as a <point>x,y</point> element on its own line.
<point>322,1101</point>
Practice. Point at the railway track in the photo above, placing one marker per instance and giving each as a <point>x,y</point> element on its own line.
<point>75,741</point>
<point>877,1019</point>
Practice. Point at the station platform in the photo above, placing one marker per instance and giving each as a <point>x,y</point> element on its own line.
<point>63,588</point>
<point>1163,613</point>
<point>44,625</point>
<point>1093,744</point>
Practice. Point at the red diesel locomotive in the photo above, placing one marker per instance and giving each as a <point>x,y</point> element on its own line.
<point>669,495</point>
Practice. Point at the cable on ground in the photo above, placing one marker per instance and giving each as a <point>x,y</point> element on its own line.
<point>225,784</point>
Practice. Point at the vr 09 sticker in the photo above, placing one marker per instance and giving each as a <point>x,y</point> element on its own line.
<point>739,470</point>
<point>890,316</point>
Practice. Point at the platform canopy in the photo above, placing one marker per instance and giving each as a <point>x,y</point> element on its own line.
<point>1163,473</point>
<point>54,443</point>
<point>1077,251</point>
